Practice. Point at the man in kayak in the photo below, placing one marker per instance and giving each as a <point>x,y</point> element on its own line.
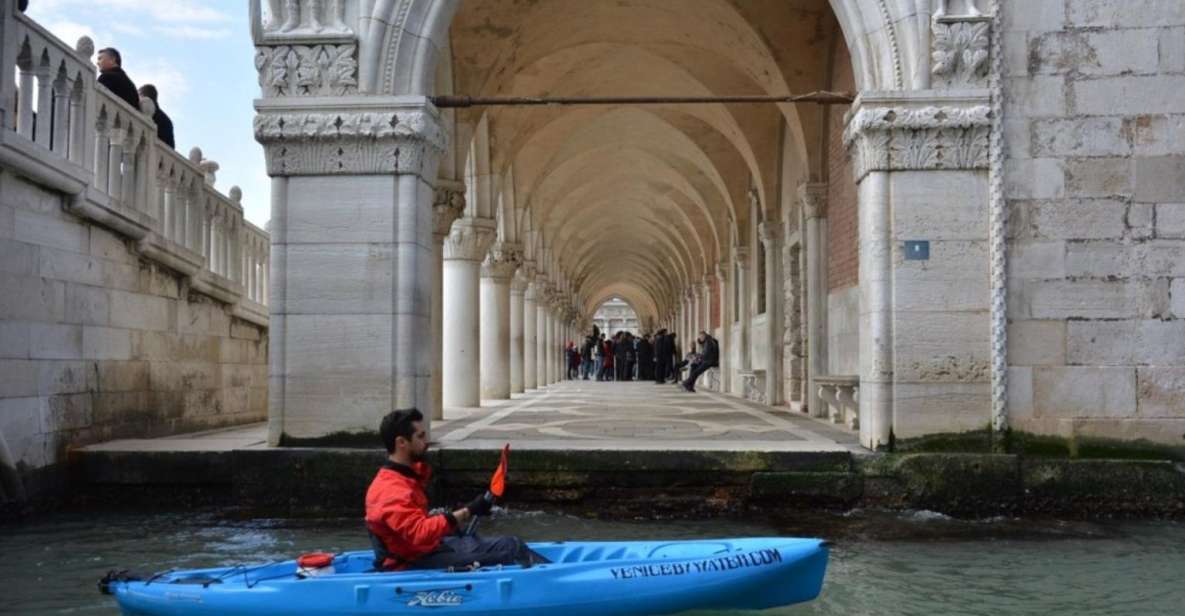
<point>403,534</point>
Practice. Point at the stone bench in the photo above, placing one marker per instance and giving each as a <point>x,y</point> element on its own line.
<point>841,393</point>
<point>753,385</point>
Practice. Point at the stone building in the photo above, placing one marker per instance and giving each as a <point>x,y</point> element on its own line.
<point>989,234</point>
<point>616,315</point>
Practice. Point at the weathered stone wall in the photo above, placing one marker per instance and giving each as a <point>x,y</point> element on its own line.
<point>1095,185</point>
<point>843,331</point>
<point>98,343</point>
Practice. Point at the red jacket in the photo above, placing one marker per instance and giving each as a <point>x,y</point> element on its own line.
<point>397,513</point>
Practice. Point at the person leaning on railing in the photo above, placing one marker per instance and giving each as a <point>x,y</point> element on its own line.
<point>164,125</point>
<point>112,77</point>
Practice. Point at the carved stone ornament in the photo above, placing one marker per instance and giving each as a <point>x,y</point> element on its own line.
<point>813,196</point>
<point>470,239</point>
<point>894,138</point>
<point>296,19</point>
<point>448,204</point>
<point>769,233</point>
<point>307,70</point>
<point>502,260</point>
<point>300,142</point>
<point>960,54</point>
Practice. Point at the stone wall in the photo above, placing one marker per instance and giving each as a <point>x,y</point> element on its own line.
<point>98,342</point>
<point>843,241</point>
<point>1095,186</point>
<point>843,332</point>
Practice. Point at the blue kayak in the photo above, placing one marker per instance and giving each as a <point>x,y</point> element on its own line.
<point>583,578</point>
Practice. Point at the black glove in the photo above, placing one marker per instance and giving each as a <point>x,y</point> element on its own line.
<point>481,505</point>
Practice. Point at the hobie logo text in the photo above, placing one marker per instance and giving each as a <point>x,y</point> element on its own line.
<point>436,598</point>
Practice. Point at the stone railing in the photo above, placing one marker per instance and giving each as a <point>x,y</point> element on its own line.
<point>61,130</point>
<point>842,395</point>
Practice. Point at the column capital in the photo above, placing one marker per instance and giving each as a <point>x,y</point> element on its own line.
<point>448,204</point>
<point>358,135</point>
<point>721,271</point>
<point>518,285</point>
<point>924,130</point>
<point>813,197</point>
<point>470,239</point>
<point>502,260</point>
<point>742,256</point>
<point>769,233</point>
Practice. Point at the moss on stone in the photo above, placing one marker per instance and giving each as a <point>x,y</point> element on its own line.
<point>366,439</point>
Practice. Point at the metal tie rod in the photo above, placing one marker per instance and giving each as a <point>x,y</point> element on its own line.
<point>462,102</point>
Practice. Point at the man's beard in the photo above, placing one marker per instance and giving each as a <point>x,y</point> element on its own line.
<point>419,456</point>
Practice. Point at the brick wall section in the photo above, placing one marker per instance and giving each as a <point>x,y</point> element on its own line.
<point>843,242</point>
<point>1095,185</point>
<point>96,343</point>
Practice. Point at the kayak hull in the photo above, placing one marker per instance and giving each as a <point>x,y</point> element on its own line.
<point>584,578</point>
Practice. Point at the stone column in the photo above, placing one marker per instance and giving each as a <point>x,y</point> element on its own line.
<point>351,231</point>
<point>464,250</point>
<point>499,267</point>
<point>448,205</point>
<point>549,342</point>
<point>920,163</point>
<point>725,329</point>
<point>771,237</point>
<point>745,363</point>
<point>518,289</point>
<point>814,212</point>
<point>530,331</point>
<point>541,294</point>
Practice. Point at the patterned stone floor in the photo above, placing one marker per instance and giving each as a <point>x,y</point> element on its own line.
<point>592,415</point>
<point>584,415</point>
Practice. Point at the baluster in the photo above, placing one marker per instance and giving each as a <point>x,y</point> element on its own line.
<point>61,117</point>
<point>131,154</point>
<point>77,127</point>
<point>43,133</point>
<point>168,205</point>
<point>102,153</point>
<point>24,118</point>
<point>115,163</point>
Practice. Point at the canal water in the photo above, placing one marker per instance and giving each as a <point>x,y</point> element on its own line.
<point>883,563</point>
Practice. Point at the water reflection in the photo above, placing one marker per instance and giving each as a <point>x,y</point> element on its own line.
<point>882,564</point>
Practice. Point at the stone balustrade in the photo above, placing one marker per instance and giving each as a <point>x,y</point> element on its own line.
<point>842,396</point>
<point>63,132</point>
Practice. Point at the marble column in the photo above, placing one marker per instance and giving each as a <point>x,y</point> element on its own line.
<point>530,331</point>
<point>770,234</point>
<point>464,250</point>
<point>448,205</point>
<point>497,270</point>
<point>541,298</point>
<point>725,328</point>
<point>518,289</point>
<point>744,317</point>
<point>814,209</point>
<point>351,258</point>
<point>549,343</point>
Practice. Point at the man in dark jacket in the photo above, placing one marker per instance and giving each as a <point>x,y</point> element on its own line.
<point>645,359</point>
<point>164,126</point>
<point>709,358</point>
<point>113,78</point>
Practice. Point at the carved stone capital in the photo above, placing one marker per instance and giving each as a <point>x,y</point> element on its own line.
<point>307,70</point>
<point>373,135</point>
<point>769,233</point>
<point>916,133</point>
<point>289,21</point>
<point>502,261</point>
<point>448,204</point>
<point>470,239</point>
<point>813,196</point>
<point>518,284</point>
<point>742,256</point>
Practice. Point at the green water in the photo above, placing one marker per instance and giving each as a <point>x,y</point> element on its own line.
<point>882,563</point>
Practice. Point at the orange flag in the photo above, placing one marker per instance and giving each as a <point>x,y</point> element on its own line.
<point>498,481</point>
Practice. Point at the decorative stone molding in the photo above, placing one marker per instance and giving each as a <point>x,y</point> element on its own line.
<point>307,70</point>
<point>502,260</point>
<point>355,142</point>
<point>742,256</point>
<point>448,204</point>
<point>813,196</point>
<point>518,284</point>
<point>470,239</point>
<point>295,20</point>
<point>910,138</point>
<point>961,47</point>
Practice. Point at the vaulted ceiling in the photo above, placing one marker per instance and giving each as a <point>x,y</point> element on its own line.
<point>642,201</point>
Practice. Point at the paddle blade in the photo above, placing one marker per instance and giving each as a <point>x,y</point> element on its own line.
<point>498,481</point>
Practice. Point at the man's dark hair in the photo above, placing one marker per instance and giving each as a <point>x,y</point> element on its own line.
<point>148,91</point>
<point>398,423</point>
<point>114,53</point>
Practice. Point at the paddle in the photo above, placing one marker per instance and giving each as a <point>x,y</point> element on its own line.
<point>497,486</point>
